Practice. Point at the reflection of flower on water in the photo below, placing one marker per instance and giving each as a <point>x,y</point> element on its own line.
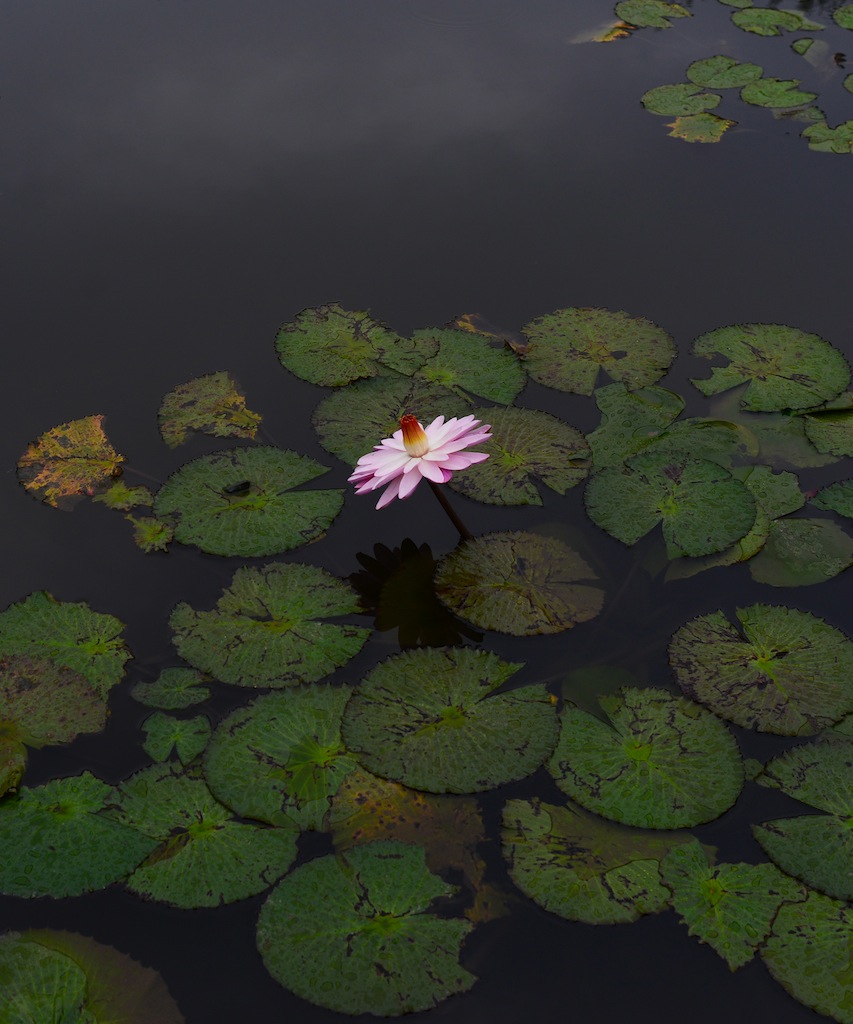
<point>397,586</point>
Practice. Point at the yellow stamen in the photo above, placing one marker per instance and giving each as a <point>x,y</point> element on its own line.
<point>414,436</point>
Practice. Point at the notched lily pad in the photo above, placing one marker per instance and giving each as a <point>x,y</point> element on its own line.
<point>776,92</point>
<point>824,139</point>
<point>173,690</point>
<point>212,404</point>
<point>767,21</point>
<point>151,534</point>
<point>120,496</point>
<point>722,72</point>
<point>465,361</point>
<point>650,13</point>
<point>680,100</point>
<point>519,583</point>
<point>700,127</point>
<point>186,736</point>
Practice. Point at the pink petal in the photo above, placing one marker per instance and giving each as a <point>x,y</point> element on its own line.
<point>431,471</point>
<point>389,494</point>
<point>409,482</point>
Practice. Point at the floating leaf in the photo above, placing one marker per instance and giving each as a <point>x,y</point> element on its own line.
<point>241,502</point>
<point>68,462</point>
<point>465,361</point>
<point>730,906</point>
<point>844,16</point>
<point>13,758</point>
<point>765,21</point>
<point>658,762</point>
<point>570,346</point>
<point>57,841</point>
<point>212,404</point>
<point>186,736</point>
<point>679,100</point>
<point>700,127</point>
<point>431,720</point>
<point>721,72</point>
<point>785,367</point>
<point>281,759</point>
<point>333,346</point>
<point>837,497</point>
<point>830,429</point>
<point>68,634</point>
<point>173,690</point>
<point>120,496</point>
<point>776,92</point>
<point>265,629</point>
<point>784,671</point>
<point>151,534</point>
<point>39,984</point>
<point>583,868</point>
<point>518,583</point>
<point>824,139</point>
<point>799,552</point>
<point>650,13</point>
<point>203,857</point>
<point>701,506</point>
<point>526,446</point>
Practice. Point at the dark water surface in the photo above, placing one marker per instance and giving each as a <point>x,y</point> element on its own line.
<point>183,176</point>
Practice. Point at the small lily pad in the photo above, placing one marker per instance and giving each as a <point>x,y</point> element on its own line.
<point>767,21</point>
<point>120,496</point>
<point>783,671</point>
<point>824,139</point>
<point>431,719</point>
<point>831,429</point>
<point>354,932</point>
<point>776,92</point>
<point>265,629</point>
<point>680,100</point>
<point>799,552</point>
<point>844,16</point>
<point>465,361</point>
<point>173,690</point>
<point>212,404</point>
<point>700,127</point>
<point>650,13</point>
<point>568,348</point>
<point>186,736</point>
<point>519,583</point>
<point>151,534</point>
<point>721,72</point>
<point>837,497</point>
<point>657,762</point>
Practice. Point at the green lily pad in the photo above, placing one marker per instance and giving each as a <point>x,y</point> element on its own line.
<point>212,404</point>
<point>241,502</point>
<point>783,671</point>
<point>332,346</point>
<point>265,631</point>
<point>721,72</point>
<point>431,720</point>
<point>68,462</point>
<point>352,420</point>
<point>767,21</point>
<point>823,139</point>
<point>799,552</point>
<point>776,92</point>
<point>681,99</point>
<point>186,736</point>
<point>526,446</point>
<point>568,348</point>
<point>281,759</point>
<point>650,13</point>
<point>68,634</point>
<point>173,690</point>
<point>658,761</point>
<point>151,534</point>
<point>844,16</point>
<point>730,906</point>
<point>354,933</point>
<point>818,848</point>
<point>120,496</point>
<point>701,506</point>
<point>468,362</point>
<point>830,429</point>
<point>581,867</point>
<point>58,841</point>
<point>837,497</point>
<point>40,984</point>
<point>702,127</point>
<point>519,583</point>
<point>202,856</point>
<point>785,367</point>
<point>809,954</point>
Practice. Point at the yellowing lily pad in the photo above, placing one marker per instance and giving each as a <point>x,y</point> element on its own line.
<point>702,127</point>
<point>212,404</point>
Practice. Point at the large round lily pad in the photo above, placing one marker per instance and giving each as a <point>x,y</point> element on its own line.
<point>241,502</point>
<point>722,72</point>
<point>569,347</point>
<point>658,761</point>
<point>783,671</point>
<point>680,100</point>
<point>354,933</point>
<point>281,759</point>
<point>518,583</point>
<point>266,629</point>
<point>466,361</point>
<point>650,13</point>
<point>431,720</point>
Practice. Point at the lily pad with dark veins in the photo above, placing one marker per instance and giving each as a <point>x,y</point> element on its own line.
<point>470,362</point>
<point>212,404</point>
<point>186,736</point>
<point>767,21</point>
<point>173,690</point>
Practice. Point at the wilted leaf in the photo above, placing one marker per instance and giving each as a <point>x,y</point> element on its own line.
<point>212,404</point>
<point>700,127</point>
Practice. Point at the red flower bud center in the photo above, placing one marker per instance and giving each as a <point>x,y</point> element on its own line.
<point>414,436</point>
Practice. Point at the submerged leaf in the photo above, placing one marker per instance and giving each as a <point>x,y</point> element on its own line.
<point>799,552</point>
<point>212,404</point>
<point>40,984</point>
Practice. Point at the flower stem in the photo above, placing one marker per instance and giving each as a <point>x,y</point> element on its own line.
<point>448,508</point>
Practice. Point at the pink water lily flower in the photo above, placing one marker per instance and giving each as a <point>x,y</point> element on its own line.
<point>415,452</point>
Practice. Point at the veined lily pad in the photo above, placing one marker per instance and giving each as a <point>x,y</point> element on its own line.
<point>467,361</point>
<point>823,139</point>
<point>767,21</point>
<point>818,848</point>
<point>431,720</point>
<point>203,857</point>
<point>68,462</point>
<point>58,841</point>
<point>582,867</point>
<point>701,506</point>
<point>212,404</point>
<point>39,984</point>
<point>702,127</point>
<point>799,552</point>
<point>650,13</point>
<point>776,92</point>
<point>518,583</point>
<point>120,496</point>
<point>658,762</point>
<point>837,497</point>
<point>526,446</point>
<point>721,72</point>
<point>679,100</point>
<point>241,502</point>
<point>784,671</point>
<point>831,429</point>
<point>165,733</point>
<point>785,367</point>
<point>809,954</point>
<point>281,759</point>
<point>569,347</point>
<point>68,634</point>
<point>334,346</point>
<point>173,690</point>
<point>354,933</point>
<point>265,629</point>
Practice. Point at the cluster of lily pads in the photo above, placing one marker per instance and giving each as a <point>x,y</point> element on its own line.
<point>691,102</point>
<point>391,766</point>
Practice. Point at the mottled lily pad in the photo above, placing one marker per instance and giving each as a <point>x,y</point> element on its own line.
<point>824,139</point>
<point>581,867</point>
<point>242,502</point>
<point>844,16</point>
<point>680,100</point>
<point>831,429</point>
<point>767,21</point>
<point>186,736</point>
<point>173,690</point>
<point>68,462</point>
<point>721,72</point>
<point>799,552</point>
<point>526,446</point>
<point>212,404</point>
<point>518,583</point>
<point>776,92</point>
<point>465,361</point>
<point>786,368</point>
<point>39,984</point>
<point>702,127</point>
<point>281,759</point>
<point>650,13</point>
<point>783,671</point>
<point>657,762</point>
<point>568,348</point>
<point>431,720</point>
<point>837,497</point>
<point>120,496</point>
<point>151,534</point>
<point>265,629</point>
